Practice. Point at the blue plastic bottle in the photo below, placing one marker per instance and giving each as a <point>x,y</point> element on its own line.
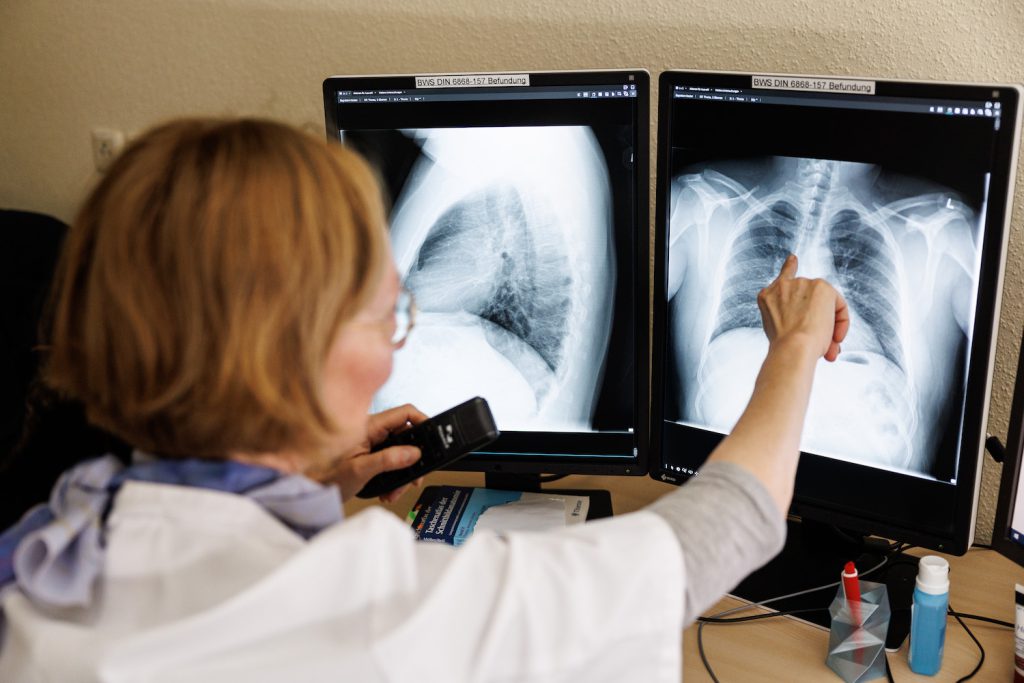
<point>928,615</point>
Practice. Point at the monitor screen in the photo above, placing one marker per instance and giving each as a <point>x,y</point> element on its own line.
<point>518,219</point>
<point>1014,530</point>
<point>897,194</point>
<point>1008,532</point>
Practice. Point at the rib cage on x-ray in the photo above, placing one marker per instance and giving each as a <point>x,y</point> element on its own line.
<point>503,236</point>
<point>901,250</point>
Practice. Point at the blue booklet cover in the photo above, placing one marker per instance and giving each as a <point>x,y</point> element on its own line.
<point>449,514</point>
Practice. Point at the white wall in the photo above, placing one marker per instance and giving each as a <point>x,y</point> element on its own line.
<point>66,67</point>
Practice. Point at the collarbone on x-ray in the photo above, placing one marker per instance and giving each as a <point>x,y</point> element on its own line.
<point>503,236</point>
<point>901,250</point>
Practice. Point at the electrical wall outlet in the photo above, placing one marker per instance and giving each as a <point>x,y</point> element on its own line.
<point>106,145</point>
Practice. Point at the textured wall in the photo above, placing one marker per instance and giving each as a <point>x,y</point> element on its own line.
<point>66,67</point>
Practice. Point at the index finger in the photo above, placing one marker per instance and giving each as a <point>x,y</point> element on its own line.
<point>788,271</point>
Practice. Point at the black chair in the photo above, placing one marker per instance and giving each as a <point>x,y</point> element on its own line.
<point>41,434</point>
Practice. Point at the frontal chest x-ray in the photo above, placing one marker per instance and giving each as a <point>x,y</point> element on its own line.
<point>901,249</point>
<point>504,237</point>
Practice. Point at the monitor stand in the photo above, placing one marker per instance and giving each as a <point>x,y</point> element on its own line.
<point>814,555</point>
<point>600,500</point>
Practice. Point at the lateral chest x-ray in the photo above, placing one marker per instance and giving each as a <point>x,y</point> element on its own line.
<point>503,236</point>
<point>902,250</point>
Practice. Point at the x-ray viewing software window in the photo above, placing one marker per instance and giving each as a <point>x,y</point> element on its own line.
<point>898,235</point>
<point>517,241</point>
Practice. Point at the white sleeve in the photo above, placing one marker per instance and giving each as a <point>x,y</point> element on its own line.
<point>365,602</point>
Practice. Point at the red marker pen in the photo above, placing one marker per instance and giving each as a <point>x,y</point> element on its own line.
<point>851,586</point>
<point>851,590</point>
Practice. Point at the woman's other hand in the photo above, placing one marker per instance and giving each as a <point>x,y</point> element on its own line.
<point>352,470</point>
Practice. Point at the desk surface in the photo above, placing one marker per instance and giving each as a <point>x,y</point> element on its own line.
<point>784,649</point>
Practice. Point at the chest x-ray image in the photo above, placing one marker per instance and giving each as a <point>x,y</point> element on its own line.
<point>903,252</point>
<point>503,236</point>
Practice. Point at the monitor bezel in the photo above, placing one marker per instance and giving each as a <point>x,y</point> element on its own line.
<point>1011,472</point>
<point>997,227</point>
<point>555,464</point>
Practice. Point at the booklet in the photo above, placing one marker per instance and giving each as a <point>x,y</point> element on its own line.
<point>450,514</point>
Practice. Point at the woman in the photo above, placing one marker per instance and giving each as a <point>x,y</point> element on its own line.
<point>226,304</point>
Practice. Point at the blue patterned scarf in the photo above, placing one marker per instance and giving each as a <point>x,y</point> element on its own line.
<point>54,554</point>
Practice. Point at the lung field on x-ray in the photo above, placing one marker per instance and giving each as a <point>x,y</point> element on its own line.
<point>902,251</point>
<point>504,237</point>
<point>521,287</point>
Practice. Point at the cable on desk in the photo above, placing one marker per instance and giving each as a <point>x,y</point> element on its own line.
<point>981,661</point>
<point>703,656</point>
<point>896,549</point>
<point>846,535</point>
<point>702,621</point>
<point>978,617</point>
<point>755,617</point>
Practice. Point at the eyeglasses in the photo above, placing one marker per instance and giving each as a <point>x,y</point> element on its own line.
<point>405,317</point>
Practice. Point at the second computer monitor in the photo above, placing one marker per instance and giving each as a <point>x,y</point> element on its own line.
<point>518,220</point>
<point>898,194</point>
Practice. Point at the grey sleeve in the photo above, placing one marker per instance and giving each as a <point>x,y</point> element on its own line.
<point>728,526</point>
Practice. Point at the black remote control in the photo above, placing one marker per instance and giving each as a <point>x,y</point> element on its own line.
<point>442,440</point>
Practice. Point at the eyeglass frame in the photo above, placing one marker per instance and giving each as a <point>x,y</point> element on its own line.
<point>405,317</point>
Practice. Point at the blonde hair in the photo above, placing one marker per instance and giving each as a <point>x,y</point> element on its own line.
<point>203,282</point>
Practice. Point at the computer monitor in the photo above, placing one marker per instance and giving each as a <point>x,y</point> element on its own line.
<point>519,221</point>
<point>1008,532</point>
<point>896,192</point>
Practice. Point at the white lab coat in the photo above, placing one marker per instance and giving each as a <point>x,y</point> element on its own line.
<point>200,585</point>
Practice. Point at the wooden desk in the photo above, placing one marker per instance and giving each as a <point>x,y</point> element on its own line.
<point>785,649</point>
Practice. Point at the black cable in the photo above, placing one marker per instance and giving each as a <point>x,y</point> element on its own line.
<point>755,617</point>
<point>895,550</point>
<point>703,621</point>
<point>850,538</point>
<point>900,549</point>
<point>703,656</point>
<point>978,617</point>
<point>981,661</point>
<point>897,563</point>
